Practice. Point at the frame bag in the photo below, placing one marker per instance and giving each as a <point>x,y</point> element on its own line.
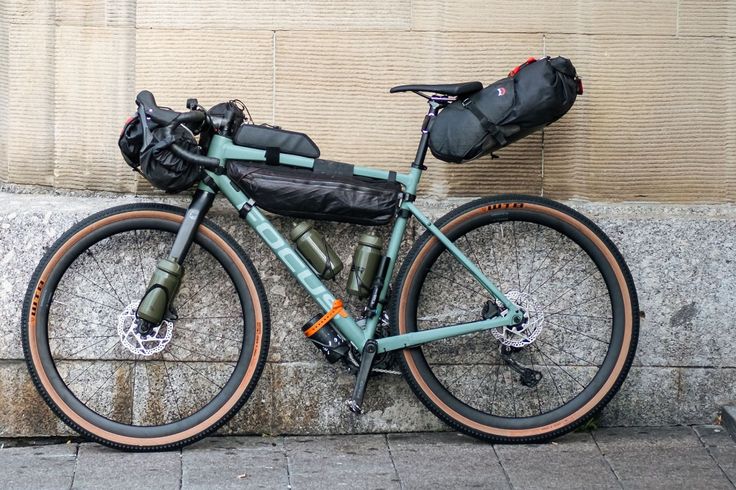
<point>145,147</point>
<point>535,94</point>
<point>329,192</point>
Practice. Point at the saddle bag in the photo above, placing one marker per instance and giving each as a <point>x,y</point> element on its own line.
<point>329,192</point>
<point>534,95</point>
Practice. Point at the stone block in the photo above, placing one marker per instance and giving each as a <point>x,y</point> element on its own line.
<point>309,398</point>
<point>634,405</point>
<point>702,393</point>
<point>586,16</point>
<point>291,15</point>
<point>234,462</point>
<point>571,462</point>
<point>712,18</point>
<point>4,95</point>
<point>97,76</point>
<point>340,461</point>
<point>720,445</point>
<point>351,80</point>
<point>676,254</point>
<point>30,72</point>
<point>458,461</point>
<point>30,11</point>
<point>645,459</point>
<point>163,65</point>
<point>21,466</point>
<point>624,140</point>
<point>99,466</point>
<point>22,411</point>
<point>107,13</point>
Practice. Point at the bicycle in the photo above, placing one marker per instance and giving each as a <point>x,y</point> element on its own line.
<point>514,318</point>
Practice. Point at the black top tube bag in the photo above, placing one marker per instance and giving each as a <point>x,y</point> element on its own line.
<point>328,192</point>
<point>534,95</point>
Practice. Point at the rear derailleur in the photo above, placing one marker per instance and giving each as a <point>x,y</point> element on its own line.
<point>529,377</point>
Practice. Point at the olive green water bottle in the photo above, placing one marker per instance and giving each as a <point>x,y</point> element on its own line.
<point>313,247</point>
<point>365,262</point>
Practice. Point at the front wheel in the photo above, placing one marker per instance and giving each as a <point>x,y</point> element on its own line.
<point>551,372</point>
<point>117,380</point>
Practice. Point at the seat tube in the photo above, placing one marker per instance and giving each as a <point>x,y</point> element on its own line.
<point>434,108</point>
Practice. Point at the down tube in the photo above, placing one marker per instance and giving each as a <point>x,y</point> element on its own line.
<point>301,271</point>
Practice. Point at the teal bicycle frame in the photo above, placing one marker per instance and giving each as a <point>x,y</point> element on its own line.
<point>224,149</point>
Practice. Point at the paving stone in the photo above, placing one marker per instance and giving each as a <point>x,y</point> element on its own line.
<point>361,461</point>
<point>570,462</point>
<point>20,466</point>
<point>235,462</point>
<point>103,467</point>
<point>660,458</point>
<point>721,446</point>
<point>457,461</point>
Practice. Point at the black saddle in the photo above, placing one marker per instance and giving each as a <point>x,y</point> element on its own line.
<point>445,89</point>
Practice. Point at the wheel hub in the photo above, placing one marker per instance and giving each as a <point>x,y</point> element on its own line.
<point>526,331</point>
<point>141,338</point>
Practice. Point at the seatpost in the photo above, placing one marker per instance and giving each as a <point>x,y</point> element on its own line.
<point>434,107</point>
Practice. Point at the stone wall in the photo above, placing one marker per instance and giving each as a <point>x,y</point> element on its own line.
<point>656,123</point>
<point>684,369</point>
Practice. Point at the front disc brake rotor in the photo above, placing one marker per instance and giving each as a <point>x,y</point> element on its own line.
<point>148,344</point>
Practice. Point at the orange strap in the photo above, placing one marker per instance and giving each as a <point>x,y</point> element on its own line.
<point>336,309</point>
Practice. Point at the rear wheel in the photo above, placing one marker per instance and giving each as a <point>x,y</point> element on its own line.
<point>552,371</point>
<point>122,382</point>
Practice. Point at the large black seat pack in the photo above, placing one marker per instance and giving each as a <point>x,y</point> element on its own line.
<point>534,95</point>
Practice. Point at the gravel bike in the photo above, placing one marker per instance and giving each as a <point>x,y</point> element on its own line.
<point>513,318</point>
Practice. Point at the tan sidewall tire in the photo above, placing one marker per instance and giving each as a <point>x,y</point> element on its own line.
<point>623,279</point>
<point>55,401</point>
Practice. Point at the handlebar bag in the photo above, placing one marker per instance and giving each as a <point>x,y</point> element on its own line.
<point>329,192</point>
<point>145,147</point>
<point>534,95</point>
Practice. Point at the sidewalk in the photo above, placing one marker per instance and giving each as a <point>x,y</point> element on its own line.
<point>671,457</point>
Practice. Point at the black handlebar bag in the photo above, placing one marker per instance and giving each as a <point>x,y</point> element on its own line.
<point>534,95</point>
<point>146,148</point>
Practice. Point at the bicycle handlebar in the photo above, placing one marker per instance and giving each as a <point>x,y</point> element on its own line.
<point>166,116</point>
<point>209,163</point>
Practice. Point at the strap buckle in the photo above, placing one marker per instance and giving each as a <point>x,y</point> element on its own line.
<point>336,309</point>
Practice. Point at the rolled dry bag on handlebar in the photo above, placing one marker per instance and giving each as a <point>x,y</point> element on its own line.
<point>534,95</point>
<point>147,148</point>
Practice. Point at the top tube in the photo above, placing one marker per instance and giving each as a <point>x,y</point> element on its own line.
<point>224,149</point>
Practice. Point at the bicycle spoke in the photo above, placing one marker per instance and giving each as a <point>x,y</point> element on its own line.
<point>516,254</point>
<point>119,365</point>
<point>113,308</point>
<point>171,386</point>
<point>104,274</point>
<point>209,336</point>
<point>475,291</point>
<point>534,256</point>
<point>579,333</point>
<point>196,371</point>
<point>92,364</point>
